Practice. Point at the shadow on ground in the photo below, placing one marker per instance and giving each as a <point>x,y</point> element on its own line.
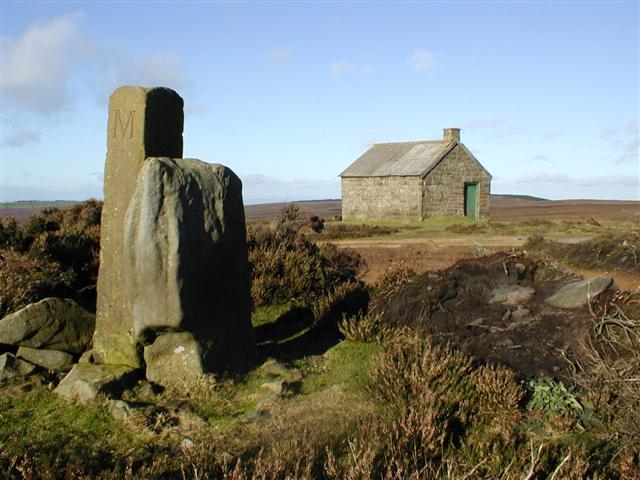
<point>295,335</point>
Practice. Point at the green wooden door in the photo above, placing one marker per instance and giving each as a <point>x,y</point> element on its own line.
<point>471,200</point>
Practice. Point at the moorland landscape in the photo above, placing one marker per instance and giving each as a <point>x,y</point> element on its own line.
<point>439,318</point>
<point>383,351</point>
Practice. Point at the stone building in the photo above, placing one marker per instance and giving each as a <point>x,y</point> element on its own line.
<point>415,180</point>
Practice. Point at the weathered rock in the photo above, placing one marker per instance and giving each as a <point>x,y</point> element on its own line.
<point>143,122</point>
<point>519,314</point>
<point>186,444</point>
<point>52,323</point>
<point>147,391</point>
<point>580,293</point>
<point>86,357</point>
<point>49,359</point>
<point>186,263</point>
<point>10,366</point>
<point>258,415</point>
<point>121,410</point>
<point>171,357</point>
<point>511,294</point>
<point>31,383</point>
<point>279,387</point>
<point>86,380</point>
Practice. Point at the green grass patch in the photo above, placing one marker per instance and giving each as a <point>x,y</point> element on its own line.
<point>41,424</point>
<point>348,365</point>
<point>267,314</point>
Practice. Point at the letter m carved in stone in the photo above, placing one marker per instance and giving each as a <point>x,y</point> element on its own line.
<point>121,128</point>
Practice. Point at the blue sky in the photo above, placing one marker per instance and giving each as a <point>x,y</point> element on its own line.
<point>289,94</point>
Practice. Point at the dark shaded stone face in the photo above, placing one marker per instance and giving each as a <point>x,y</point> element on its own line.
<point>164,120</point>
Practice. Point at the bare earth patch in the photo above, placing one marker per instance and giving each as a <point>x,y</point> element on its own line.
<point>454,306</point>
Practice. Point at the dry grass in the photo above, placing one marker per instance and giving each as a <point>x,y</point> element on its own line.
<point>610,250</point>
<point>339,231</point>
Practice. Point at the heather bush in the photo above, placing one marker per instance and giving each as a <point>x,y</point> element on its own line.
<point>55,252</point>
<point>286,264</point>
<point>607,250</point>
<point>25,280</point>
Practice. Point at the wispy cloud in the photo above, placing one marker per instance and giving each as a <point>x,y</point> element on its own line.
<point>97,175</point>
<point>344,68</point>
<point>422,60</point>
<point>538,158</point>
<point>543,177</point>
<point>258,188</point>
<point>37,65</point>
<point>623,139</point>
<point>616,129</point>
<point>22,138</point>
<point>551,134</point>
<point>501,125</point>
<point>629,151</point>
<point>497,121</point>
<point>594,181</point>
<point>156,69</point>
<point>340,69</point>
<point>279,58</point>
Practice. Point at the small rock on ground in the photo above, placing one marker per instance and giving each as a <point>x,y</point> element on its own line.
<point>511,295</point>
<point>520,313</point>
<point>11,366</point>
<point>121,410</point>
<point>279,387</point>
<point>49,359</point>
<point>86,380</point>
<point>580,293</point>
<point>173,356</point>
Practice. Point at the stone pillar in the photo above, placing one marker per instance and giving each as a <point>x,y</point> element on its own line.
<point>143,122</point>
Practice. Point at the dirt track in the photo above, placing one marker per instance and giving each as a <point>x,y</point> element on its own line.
<point>422,254</point>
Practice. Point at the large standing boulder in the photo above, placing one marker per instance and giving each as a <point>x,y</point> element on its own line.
<point>52,323</point>
<point>580,293</point>
<point>143,122</point>
<point>185,260</point>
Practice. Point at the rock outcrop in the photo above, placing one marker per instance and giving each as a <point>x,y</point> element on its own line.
<point>52,323</point>
<point>186,266</point>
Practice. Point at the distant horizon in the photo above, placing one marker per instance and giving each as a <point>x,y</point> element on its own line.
<point>516,195</point>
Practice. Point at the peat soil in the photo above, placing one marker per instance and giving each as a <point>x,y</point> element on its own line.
<point>453,306</point>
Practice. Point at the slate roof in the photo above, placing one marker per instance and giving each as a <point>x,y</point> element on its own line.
<point>405,159</point>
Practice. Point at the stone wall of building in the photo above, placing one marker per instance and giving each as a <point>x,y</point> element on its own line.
<point>443,187</point>
<point>365,198</point>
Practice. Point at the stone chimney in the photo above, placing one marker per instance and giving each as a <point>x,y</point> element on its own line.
<point>451,135</point>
